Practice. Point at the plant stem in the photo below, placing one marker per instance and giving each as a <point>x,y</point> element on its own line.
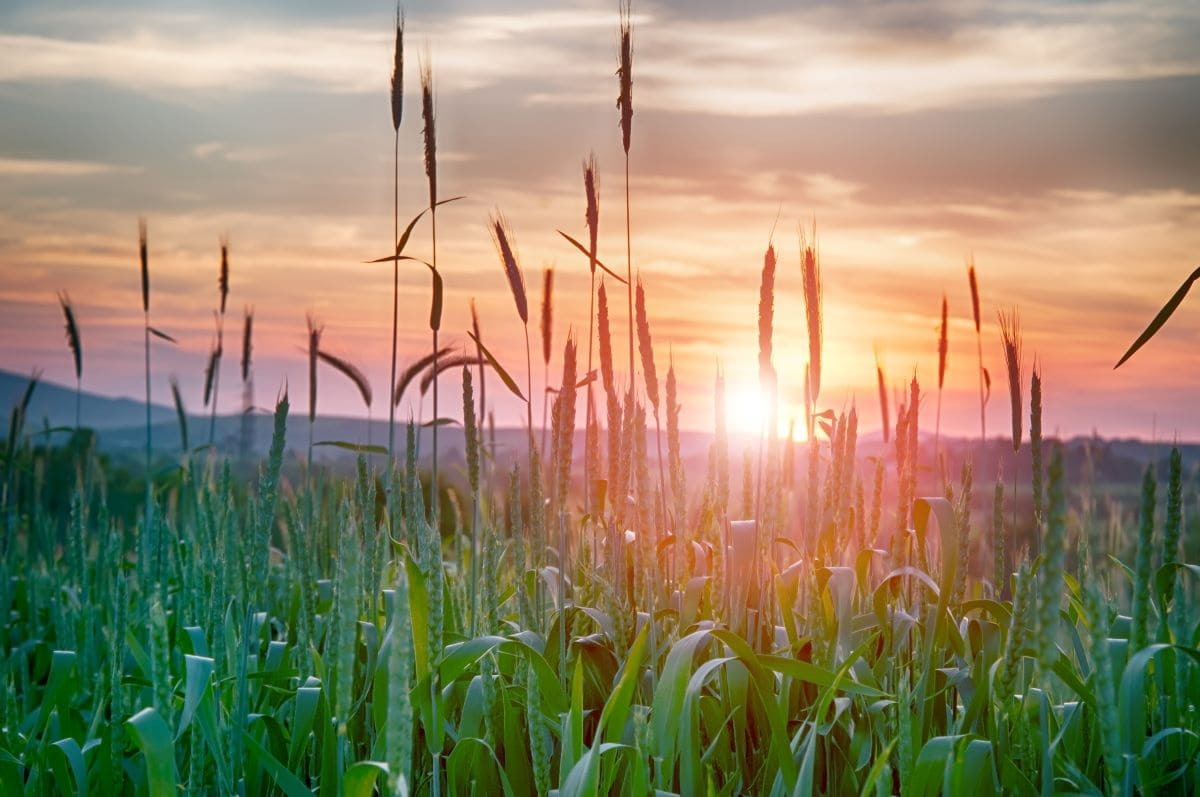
<point>629,268</point>
<point>149,502</point>
<point>433,475</point>
<point>982,413</point>
<point>395,300</point>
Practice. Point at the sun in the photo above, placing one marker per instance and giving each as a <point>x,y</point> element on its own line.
<point>748,410</point>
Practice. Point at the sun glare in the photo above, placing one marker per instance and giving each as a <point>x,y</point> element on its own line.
<point>748,409</point>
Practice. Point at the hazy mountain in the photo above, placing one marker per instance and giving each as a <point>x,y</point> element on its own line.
<point>121,426</point>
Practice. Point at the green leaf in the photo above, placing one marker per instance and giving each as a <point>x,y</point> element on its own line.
<point>508,381</point>
<point>473,768</point>
<point>60,683</point>
<point>669,696</point>
<point>583,778</point>
<point>283,777</point>
<point>69,752</point>
<point>1161,318</point>
<point>307,701</point>
<point>776,721</point>
<point>616,708</point>
<point>418,604</point>
<point>881,760</point>
<point>153,736</point>
<point>811,673</point>
<point>359,779</point>
<point>198,672</point>
<point>1134,689</point>
<point>461,656</point>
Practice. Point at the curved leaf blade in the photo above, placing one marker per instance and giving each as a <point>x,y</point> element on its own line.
<point>1160,319</point>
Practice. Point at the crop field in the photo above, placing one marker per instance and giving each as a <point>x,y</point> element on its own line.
<point>809,613</point>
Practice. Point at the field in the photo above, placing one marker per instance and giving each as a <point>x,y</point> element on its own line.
<point>580,614</point>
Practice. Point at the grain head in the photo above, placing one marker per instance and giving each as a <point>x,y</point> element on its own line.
<point>398,71</point>
<point>247,333</point>
<point>223,276</point>
<point>625,75</point>
<point>811,268</point>
<point>72,330</point>
<point>943,344</point>
<point>605,335</point>
<point>1010,335</point>
<point>429,128</point>
<point>547,312</point>
<point>505,247</point>
<point>766,317</point>
<point>591,187</point>
<point>145,260</point>
<point>646,348</point>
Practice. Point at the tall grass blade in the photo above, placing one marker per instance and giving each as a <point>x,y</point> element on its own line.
<point>1163,315</point>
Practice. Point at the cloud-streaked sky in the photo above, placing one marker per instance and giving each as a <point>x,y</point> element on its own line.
<point>1053,142</point>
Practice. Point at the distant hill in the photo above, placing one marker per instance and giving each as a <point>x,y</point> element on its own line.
<point>54,404</point>
<point>120,423</point>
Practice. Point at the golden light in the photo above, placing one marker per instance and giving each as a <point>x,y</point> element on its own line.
<point>748,409</point>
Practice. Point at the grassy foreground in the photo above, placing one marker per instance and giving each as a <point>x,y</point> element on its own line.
<point>319,636</point>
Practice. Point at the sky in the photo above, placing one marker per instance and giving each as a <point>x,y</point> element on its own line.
<point>1052,143</point>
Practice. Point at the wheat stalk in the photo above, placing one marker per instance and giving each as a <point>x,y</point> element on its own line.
<point>564,434</point>
<point>502,238</point>
<point>766,369</point>
<point>212,377</point>
<point>591,190</point>
<point>883,398</point>
<point>180,415</point>
<point>397,107</point>
<point>429,136</point>
<point>650,377</point>
<point>811,270</point>
<point>471,441</point>
<point>144,257</point>
<point>1010,334</point>
<point>625,104</point>
<point>603,333</point>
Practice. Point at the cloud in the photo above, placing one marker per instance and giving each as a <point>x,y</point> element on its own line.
<point>782,63</point>
<point>32,167</point>
<point>218,150</point>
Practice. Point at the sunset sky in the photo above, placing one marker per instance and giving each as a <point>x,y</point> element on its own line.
<point>1055,143</point>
